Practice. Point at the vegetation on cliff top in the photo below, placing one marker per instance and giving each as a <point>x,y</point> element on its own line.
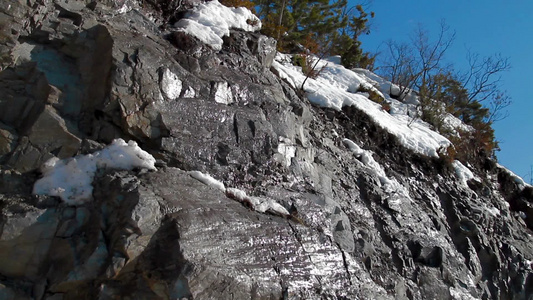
<point>325,28</point>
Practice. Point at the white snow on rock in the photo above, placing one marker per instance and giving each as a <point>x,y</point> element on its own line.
<point>170,84</point>
<point>208,180</point>
<point>517,179</point>
<point>223,93</point>
<point>211,21</point>
<point>259,204</point>
<point>71,179</point>
<point>189,93</point>
<point>336,87</point>
<point>463,173</point>
<point>287,150</point>
<point>395,191</point>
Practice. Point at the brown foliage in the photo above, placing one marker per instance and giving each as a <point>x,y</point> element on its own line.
<point>375,96</point>
<point>469,146</point>
<point>238,3</point>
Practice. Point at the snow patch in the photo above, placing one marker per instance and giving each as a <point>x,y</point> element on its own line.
<point>257,203</point>
<point>396,192</point>
<point>223,93</point>
<point>71,179</point>
<point>208,180</point>
<point>453,123</point>
<point>211,21</point>
<point>493,211</point>
<point>170,84</point>
<point>517,179</point>
<point>463,173</point>
<point>287,150</point>
<point>189,93</point>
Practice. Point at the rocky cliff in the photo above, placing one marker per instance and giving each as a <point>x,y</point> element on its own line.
<point>256,192</point>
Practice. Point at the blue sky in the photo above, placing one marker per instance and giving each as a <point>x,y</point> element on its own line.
<point>486,27</point>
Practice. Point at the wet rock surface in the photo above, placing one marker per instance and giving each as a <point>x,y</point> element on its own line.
<point>76,75</point>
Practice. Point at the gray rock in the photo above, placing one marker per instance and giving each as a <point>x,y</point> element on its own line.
<point>8,139</point>
<point>50,133</point>
<point>76,75</point>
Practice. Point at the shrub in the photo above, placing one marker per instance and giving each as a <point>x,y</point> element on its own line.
<point>471,145</point>
<point>307,63</point>
<point>239,3</point>
<point>374,96</point>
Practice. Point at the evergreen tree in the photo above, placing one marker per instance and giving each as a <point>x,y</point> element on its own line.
<point>320,26</point>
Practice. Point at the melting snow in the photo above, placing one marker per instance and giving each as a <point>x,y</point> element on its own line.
<point>211,21</point>
<point>71,179</point>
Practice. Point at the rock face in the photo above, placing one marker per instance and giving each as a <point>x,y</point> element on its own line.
<point>75,75</point>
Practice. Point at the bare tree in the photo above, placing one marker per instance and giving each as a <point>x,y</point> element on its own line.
<point>483,79</point>
<point>413,65</point>
<point>429,54</point>
<point>484,75</point>
<point>400,67</point>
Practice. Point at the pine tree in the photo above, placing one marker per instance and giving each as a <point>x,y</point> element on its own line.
<point>333,26</point>
<point>291,22</point>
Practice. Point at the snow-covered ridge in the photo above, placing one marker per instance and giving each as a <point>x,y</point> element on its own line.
<point>211,21</point>
<point>71,179</point>
<point>517,179</point>
<point>337,87</point>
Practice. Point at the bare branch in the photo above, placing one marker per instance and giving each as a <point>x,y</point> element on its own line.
<point>485,76</point>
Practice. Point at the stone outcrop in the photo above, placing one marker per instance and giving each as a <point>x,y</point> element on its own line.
<point>77,74</point>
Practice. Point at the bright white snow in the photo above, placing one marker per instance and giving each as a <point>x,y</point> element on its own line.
<point>208,180</point>
<point>211,21</point>
<point>392,187</point>
<point>337,87</point>
<point>287,150</point>
<point>257,203</point>
<point>71,179</point>
<point>223,93</point>
<point>463,173</point>
<point>170,84</point>
<point>517,179</point>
